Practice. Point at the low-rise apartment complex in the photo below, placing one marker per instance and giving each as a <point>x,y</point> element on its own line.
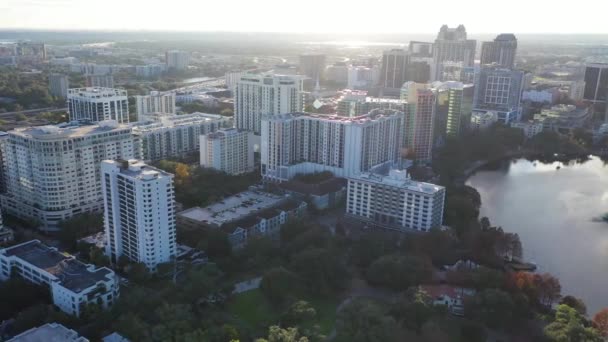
<point>244,215</point>
<point>73,284</point>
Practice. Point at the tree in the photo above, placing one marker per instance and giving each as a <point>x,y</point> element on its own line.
<point>138,273</point>
<point>569,326</point>
<point>322,269</point>
<point>277,334</point>
<point>216,244</point>
<point>370,246</point>
<point>298,312</point>
<point>227,112</point>
<point>78,227</point>
<point>413,309</point>
<point>182,174</point>
<point>472,332</point>
<point>600,322</point>
<point>492,307</point>
<point>365,321</point>
<point>399,272</point>
<point>278,284</point>
<point>575,303</point>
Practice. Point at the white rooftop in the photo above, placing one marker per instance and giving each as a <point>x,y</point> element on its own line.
<point>401,179</point>
<point>233,208</point>
<point>50,332</point>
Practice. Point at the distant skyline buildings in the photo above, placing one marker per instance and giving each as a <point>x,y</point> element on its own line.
<point>452,45</point>
<point>499,90</point>
<point>501,51</point>
<point>393,72</point>
<point>313,65</point>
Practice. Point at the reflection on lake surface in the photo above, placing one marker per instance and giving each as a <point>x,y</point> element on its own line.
<point>556,214</point>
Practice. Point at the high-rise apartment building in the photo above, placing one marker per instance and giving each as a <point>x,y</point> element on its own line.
<point>52,172</point>
<point>139,212</point>
<point>266,94</point>
<point>58,85</point>
<point>500,52</point>
<point>452,45</point>
<point>394,70</point>
<point>394,201</point>
<point>100,81</point>
<point>499,90</point>
<point>177,60</point>
<point>313,66</point>
<point>306,143</point>
<point>419,121</point>
<point>229,150</point>
<point>98,104</point>
<point>453,109</point>
<point>154,103</point>
<point>178,135</point>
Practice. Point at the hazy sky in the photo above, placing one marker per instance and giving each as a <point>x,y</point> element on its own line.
<point>340,16</point>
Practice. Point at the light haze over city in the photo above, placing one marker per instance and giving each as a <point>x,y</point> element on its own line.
<point>386,16</point>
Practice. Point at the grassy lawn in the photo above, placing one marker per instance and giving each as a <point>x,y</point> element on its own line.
<point>256,312</point>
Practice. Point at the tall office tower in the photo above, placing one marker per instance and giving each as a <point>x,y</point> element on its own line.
<point>58,85</point>
<point>452,45</point>
<point>176,135</point>
<point>52,172</point>
<point>100,81</point>
<point>419,72</point>
<point>313,66</point>
<point>499,90</point>
<point>395,201</point>
<point>393,73</point>
<point>177,60</point>
<point>419,121</point>
<point>229,150</point>
<point>30,51</point>
<point>139,212</point>
<point>454,105</point>
<point>98,104</point>
<point>266,94</point>
<point>154,103</point>
<point>420,49</point>
<point>306,143</point>
<point>501,51</point>
<point>596,86</point>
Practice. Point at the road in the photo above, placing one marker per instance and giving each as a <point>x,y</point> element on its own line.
<point>34,111</point>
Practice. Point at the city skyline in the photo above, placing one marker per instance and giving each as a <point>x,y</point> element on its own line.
<point>189,15</point>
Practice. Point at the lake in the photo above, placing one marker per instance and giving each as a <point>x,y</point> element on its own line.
<point>557,216</point>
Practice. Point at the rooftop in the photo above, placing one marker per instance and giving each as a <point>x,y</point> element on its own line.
<point>374,115</point>
<point>68,130</point>
<point>96,92</point>
<point>137,169</point>
<point>177,121</point>
<point>50,332</point>
<point>70,273</point>
<point>233,208</point>
<point>225,132</point>
<point>399,178</point>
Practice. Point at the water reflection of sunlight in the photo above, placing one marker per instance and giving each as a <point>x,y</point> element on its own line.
<point>533,167</point>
